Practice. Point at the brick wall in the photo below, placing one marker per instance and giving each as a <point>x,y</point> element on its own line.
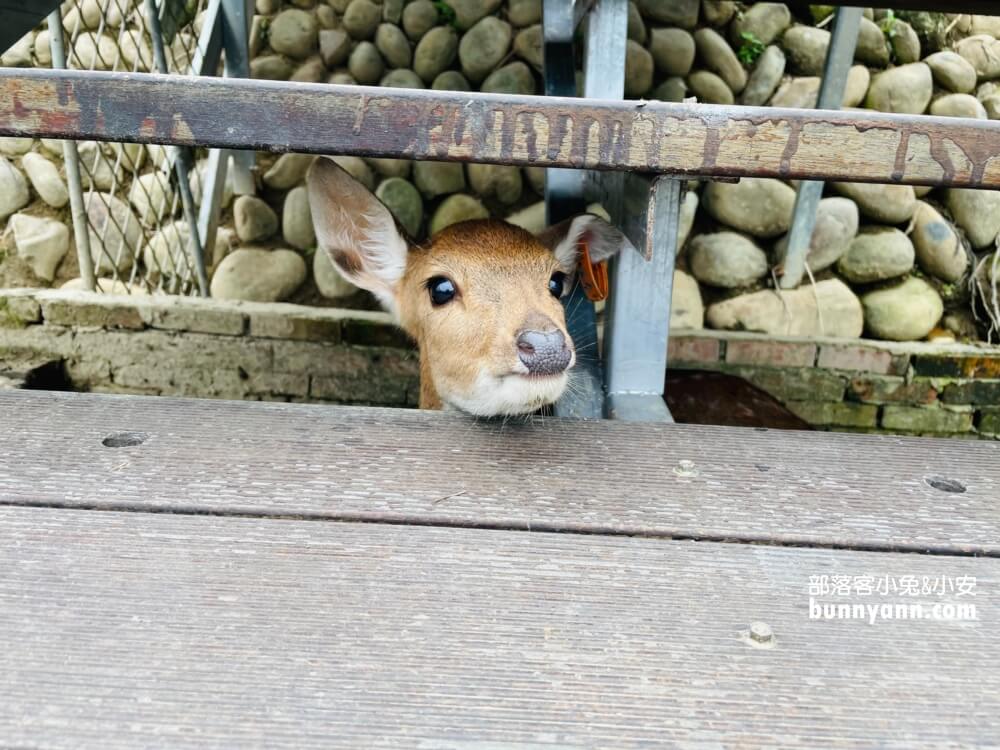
<point>206,348</point>
<point>215,349</point>
<point>868,386</point>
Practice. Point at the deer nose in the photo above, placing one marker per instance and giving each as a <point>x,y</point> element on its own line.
<point>543,352</point>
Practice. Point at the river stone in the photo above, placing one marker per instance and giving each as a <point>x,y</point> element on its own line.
<point>456,208</point>
<point>528,46</point>
<point>296,220</point>
<point>907,311</point>
<point>361,19</point>
<point>151,197</point>
<point>877,254</point>
<point>394,46</point>
<point>483,47</point>
<point>858,81</point>
<point>401,78</point>
<point>435,52</point>
<point>638,69</point>
<point>636,29</point>
<point>806,48</point>
<point>44,177</point>
<point>96,167</point>
<point>294,32</point>
<point>726,259</point>
<point>257,275</point>
<point>983,53</point>
<point>826,308</point>
<point>496,181</point>
<point>93,52</point>
<point>311,71</point>
<point>959,105</point>
<point>114,231</point>
<point>683,13</point>
<point>978,213</point>
<point>41,243</point>
<point>326,18</point>
<point>985,25</point>
<point>469,12</point>
<point>673,51</point>
<point>419,17</point>
<point>10,146</point>
<point>288,171</point>
<point>342,78</point>
<point>890,204</point>
<point>451,80</point>
<point>952,71</point>
<point>524,12</point>
<point>137,53</point>
<point>836,226</point>
<point>536,178</point>
<point>329,281</point>
<point>513,78</point>
<point>689,208</point>
<point>797,93</point>
<point>905,44</point>
<point>905,90</point>
<point>686,308</point>
<point>759,206</point>
<point>334,46</point>
<point>673,89</point>
<point>357,168</point>
<point>531,218</point>
<point>764,79</point>
<point>765,21</point>
<point>170,245</point>
<point>391,167</point>
<point>404,202</point>
<point>709,88</point>
<point>872,49</point>
<point>14,194</point>
<point>718,12</point>
<point>271,68</point>
<point>939,250</point>
<point>716,55</point>
<point>254,219</point>
<point>365,64</point>
<point>434,178</point>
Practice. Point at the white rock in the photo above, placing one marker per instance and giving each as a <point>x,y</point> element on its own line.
<point>96,167</point>
<point>329,281</point>
<point>94,52</point>
<point>258,275</point>
<point>44,176</point>
<point>296,220</point>
<point>115,233</point>
<point>41,242</point>
<point>686,308</point>
<point>10,146</point>
<point>19,55</point>
<point>14,193</point>
<point>151,197</point>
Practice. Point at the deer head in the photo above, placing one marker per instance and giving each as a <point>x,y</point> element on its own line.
<point>480,298</point>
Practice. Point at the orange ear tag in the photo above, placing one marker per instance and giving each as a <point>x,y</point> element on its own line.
<point>593,276</point>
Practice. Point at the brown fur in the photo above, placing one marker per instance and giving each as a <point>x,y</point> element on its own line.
<point>502,274</point>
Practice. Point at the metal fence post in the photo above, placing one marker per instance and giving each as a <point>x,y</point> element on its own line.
<point>72,159</point>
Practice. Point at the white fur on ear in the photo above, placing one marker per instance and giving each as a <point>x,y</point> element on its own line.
<point>602,239</point>
<point>357,231</point>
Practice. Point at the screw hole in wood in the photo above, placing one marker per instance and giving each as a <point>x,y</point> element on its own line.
<point>944,484</point>
<point>125,439</point>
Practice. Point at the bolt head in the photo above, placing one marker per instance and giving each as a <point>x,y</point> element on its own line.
<point>761,632</point>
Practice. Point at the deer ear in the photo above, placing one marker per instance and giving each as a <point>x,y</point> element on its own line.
<point>356,231</point>
<point>602,240</point>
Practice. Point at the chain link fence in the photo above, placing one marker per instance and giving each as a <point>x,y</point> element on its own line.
<point>132,203</point>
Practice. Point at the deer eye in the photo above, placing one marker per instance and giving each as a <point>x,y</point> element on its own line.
<point>556,284</point>
<point>441,289</point>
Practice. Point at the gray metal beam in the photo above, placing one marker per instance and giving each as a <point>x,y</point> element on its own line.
<point>839,59</point>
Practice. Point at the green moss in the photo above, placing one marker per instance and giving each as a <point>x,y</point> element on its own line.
<point>750,49</point>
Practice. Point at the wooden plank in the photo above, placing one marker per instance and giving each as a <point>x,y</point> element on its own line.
<point>133,630</point>
<point>698,139</point>
<point>406,466</point>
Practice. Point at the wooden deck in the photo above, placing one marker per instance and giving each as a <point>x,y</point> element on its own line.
<point>284,576</point>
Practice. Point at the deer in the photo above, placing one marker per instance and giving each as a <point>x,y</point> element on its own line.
<point>482,299</point>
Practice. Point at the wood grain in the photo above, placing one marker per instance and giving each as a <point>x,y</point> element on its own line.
<point>700,139</point>
<point>137,630</point>
<point>405,466</point>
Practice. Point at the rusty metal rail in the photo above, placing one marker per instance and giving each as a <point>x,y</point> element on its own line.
<point>686,139</point>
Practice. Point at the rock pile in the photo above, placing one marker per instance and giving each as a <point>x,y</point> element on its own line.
<point>887,261</point>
